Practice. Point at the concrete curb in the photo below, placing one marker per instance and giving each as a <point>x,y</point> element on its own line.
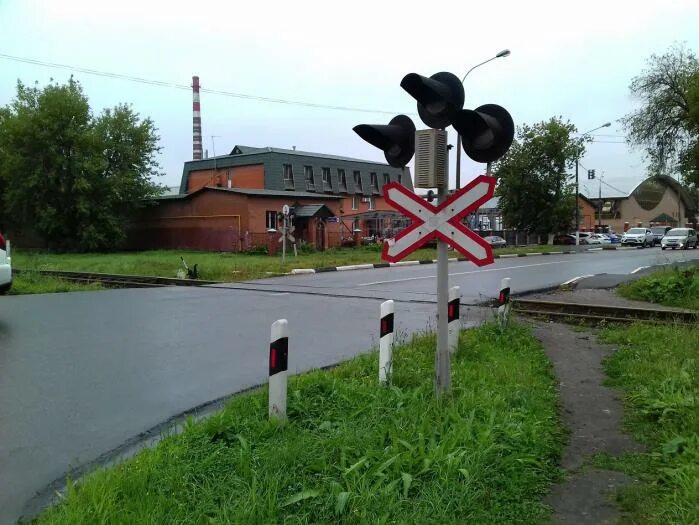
<point>370,266</point>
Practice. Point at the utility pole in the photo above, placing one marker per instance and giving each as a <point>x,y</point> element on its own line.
<point>599,196</point>
<point>501,54</point>
<point>577,204</point>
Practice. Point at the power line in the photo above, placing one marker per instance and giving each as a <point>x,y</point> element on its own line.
<point>173,85</point>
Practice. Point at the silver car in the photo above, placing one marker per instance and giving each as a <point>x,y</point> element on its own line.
<point>683,238</point>
<point>638,237</point>
<point>5,265</point>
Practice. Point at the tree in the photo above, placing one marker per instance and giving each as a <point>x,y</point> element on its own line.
<point>667,122</point>
<point>533,182</point>
<point>71,177</point>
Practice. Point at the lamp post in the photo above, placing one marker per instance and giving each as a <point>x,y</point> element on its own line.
<point>577,186</point>
<point>501,54</point>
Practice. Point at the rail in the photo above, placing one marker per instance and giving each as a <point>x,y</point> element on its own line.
<point>117,280</point>
<point>598,312</point>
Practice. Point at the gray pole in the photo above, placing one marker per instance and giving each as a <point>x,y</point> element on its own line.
<point>599,204</point>
<point>458,161</point>
<point>577,206</point>
<point>284,239</point>
<point>443,376</point>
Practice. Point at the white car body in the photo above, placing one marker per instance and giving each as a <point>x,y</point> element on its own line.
<point>638,237</point>
<point>682,238</point>
<point>600,238</point>
<point>5,266</point>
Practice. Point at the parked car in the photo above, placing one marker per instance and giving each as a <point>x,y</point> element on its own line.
<point>613,237</point>
<point>495,241</point>
<point>638,237</point>
<point>564,239</point>
<point>683,238</point>
<point>599,238</point>
<point>568,239</point>
<point>5,265</point>
<point>659,232</point>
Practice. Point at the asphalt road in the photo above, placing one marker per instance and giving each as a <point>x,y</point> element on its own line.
<point>83,373</point>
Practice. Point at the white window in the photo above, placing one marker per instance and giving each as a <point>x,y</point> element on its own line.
<point>386,179</point>
<point>288,177</point>
<point>372,203</point>
<point>374,182</point>
<point>355,202</point>
<point>271,220</point>
<point>342,179</point>
<point>308,175</point>
<point>327,183</point>
<point>357,182</point>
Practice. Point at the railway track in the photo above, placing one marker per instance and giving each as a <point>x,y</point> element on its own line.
<point>599,313</point>
<point>116,280</point>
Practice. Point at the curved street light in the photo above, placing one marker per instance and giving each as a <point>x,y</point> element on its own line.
<point>577,187</point>
<point>501,54</point>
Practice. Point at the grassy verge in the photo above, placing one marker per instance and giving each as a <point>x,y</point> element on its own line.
<point>23,284</point>
<point>671,287</point>
<point>354,452</point>
<point>217,266</point>
<point>657,367</point>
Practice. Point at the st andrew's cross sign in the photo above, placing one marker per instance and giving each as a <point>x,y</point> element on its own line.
<point>443,221</point>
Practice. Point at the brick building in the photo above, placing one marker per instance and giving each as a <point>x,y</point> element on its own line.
<point>230,202</point>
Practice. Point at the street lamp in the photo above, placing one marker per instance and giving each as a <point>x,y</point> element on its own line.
<point>577,186</point>
<point>501,54</point>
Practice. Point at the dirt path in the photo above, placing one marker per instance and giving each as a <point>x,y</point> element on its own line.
<point>593,415</point>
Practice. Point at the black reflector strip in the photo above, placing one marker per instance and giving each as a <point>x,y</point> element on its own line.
<point>386,325</point>
<point>278,356</point>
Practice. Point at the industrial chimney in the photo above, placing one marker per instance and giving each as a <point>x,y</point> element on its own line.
<point>196,120</point>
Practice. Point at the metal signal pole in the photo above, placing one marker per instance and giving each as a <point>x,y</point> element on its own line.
<point>443,375</point>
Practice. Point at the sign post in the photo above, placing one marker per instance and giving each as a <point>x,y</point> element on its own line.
<point>445,223</point>
<point>285,220</point>
<point>442,368</point>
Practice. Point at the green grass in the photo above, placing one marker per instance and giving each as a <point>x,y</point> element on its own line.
<point>23,284</point>
<point>355,452</point>
<point>216,266</point>
<point>672,287</point>
<point>657,368</point>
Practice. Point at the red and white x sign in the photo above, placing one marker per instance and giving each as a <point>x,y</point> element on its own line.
<point>443,221</point>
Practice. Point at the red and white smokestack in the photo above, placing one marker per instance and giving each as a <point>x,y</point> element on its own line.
<point>196,120</point>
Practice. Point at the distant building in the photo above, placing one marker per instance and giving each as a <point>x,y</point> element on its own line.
<point>655,201</point>
<point>230,202</point>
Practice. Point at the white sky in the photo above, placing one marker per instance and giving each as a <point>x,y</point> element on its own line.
<point>573,59</point>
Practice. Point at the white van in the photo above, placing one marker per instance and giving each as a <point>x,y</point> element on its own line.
<point>5,265</point>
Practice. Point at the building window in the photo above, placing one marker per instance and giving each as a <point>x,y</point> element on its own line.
<point>355,202</point>
<point>386,179</point>
<point>358,182</point>
<point>374,183</point>
<point>327,183</point>
<point>342,180</point>
<point>400,178</point>
<point>288,177</point>
<point>372,204</point>
<point>308,175</point>
<point>355,224</point>
<point>271,220</point>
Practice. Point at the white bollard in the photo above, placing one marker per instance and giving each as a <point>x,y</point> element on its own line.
<point>504,303</point>
<point>386,338</point>
<point>454,318</point>
<point>278,366</point>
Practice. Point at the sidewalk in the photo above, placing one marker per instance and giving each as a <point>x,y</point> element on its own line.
<point>593,415</point>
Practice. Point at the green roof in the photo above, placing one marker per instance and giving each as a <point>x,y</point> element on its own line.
<point>276,162</point>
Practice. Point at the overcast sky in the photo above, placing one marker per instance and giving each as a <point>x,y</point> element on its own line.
<point>573,59</point>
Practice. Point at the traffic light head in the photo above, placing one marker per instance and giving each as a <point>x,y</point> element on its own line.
<point>486,132</point>
<point>397,139</point>
<point>438,97</point>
